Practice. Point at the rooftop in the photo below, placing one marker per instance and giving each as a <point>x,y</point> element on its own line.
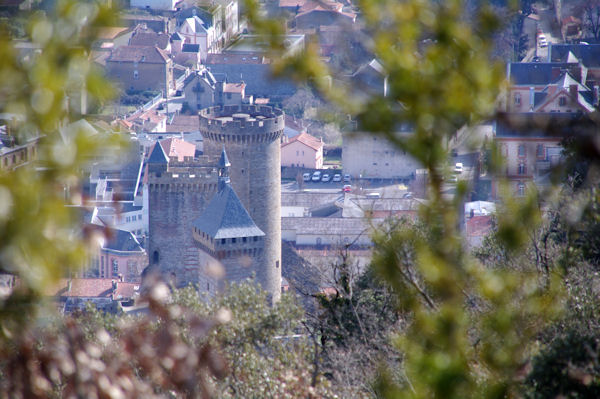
<point>307,140</point>
<point>147,54</point>
<point>226,217</point>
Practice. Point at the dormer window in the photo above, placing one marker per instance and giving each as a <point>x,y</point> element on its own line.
<point>562,101</point>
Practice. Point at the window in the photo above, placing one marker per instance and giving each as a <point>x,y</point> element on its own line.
<point>229,96</point>
<point>255,238</point>
<point>222,241</point>
<point>297,152</point>
<point>102,266</point>
<point>115,267</point>
<point>562,101</point>
<point>521,189</point>
<point>277,264</point>
<point>521,150</point>
<point>136,75</point>
<point>233,240</point>
<point>540,151</point>
<point>244,239</point>
<point>319,241</point>
<point>517,99</point>
<point>155,257</point>
<point>522,168</point>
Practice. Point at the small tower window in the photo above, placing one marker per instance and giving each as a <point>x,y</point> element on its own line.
<point>155,257</point>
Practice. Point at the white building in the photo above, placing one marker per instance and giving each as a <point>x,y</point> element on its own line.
<point>154,4</point>
<point>373,157</point>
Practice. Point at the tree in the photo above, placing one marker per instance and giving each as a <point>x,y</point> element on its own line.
<point>441,78</point>
<point>266,348</point>
<point>591,18</point>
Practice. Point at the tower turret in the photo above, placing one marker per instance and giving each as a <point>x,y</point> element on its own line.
<point>251,136</point>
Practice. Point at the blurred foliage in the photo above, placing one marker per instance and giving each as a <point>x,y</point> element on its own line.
<point>471,327</point>
<point>40,79</point>
<point>95,355</point>
<point>351,328</point>
<point>266,347</point>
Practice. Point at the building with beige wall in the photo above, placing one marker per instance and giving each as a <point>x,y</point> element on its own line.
<point>302,151</point>
<point>139,68</point>
<point>370,156</point>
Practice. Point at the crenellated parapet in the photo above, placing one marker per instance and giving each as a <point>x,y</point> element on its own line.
<point>242,124</point>
<point>200,180</point>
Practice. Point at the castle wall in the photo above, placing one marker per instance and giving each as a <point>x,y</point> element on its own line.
<point>175,200</point>
<point>250,135</point>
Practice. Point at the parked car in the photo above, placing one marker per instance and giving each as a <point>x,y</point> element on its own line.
<point>458,167</point>
<point>347,178</point>
<point>316,176</point>
<point>306,177</point>
<point>347,188</point>
<point>325,178</point>
<point>337,177</point>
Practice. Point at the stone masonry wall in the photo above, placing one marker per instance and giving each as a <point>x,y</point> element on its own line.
<point>250,135</point>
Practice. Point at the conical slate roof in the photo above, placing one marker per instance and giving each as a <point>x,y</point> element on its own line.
<point>226,217</point>
<point>224,161</point>
<point>158,155</point>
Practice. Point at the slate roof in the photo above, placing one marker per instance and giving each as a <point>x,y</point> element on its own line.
<point>147,54</point>
<point>158,155</point>
<point>190,48</point>
<point>538,124</point>
<point>224,160</point>
<point>123,241</point>
<point>226,217</point>
<point>588,54</point>
<point>175,36</point>
<point>532,73</point>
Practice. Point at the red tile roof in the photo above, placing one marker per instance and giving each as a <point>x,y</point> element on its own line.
<point>184,123</point>
<point>307,140</point>
<point>92,288</point>
<point>479,226</point>
<point>234,87</point>
<point>175,147</point>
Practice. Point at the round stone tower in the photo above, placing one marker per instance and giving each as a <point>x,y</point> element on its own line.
<point>251,136</point>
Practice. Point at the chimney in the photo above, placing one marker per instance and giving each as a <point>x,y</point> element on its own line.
<point>573,91</point>
<point>531,98</point>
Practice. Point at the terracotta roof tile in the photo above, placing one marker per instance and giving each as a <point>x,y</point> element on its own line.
<point>307,140</point>
<point>92,288</point>
<point>234,87</point>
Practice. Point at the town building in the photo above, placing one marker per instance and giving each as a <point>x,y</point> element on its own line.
<point>302,151</point>
<point>374,157</point>
<point>140,68</point>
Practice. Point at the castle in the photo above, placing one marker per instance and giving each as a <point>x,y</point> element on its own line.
<point>205,210</point>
